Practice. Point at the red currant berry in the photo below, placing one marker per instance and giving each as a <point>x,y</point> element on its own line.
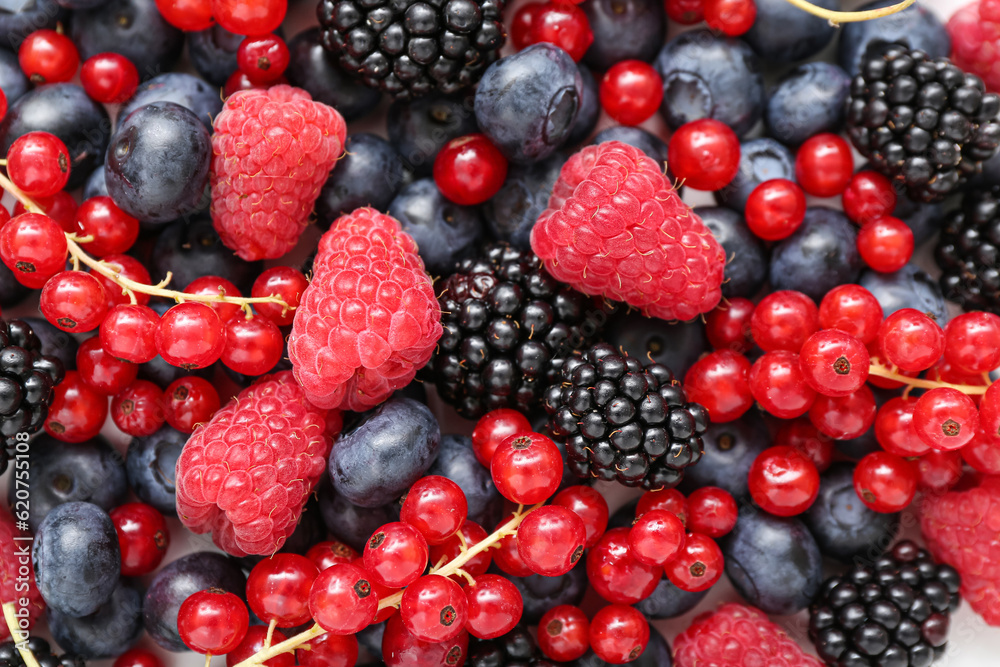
<point>39,164</point>
<point>327,554</point>
<point>685,12</point>
<point>670,500</point>
<point>33,246</point>
<point>190,335</point>
<point>885,482</point>
<point>803,436</point>
<point>3,105</point>
<point>783,481</point>
<point>563,24</point>
<point>113,230</point>
<point>401,649</point>
<point>551,540</point>
<point>77,412</point>
<point>434,609</point>
<point>616,574</point>
<point>138,409</point>
<point>507,556</point>
<point>495,606</point>
<point>945,418</point>
<point>989,411</point>
<point>102,371</point>
<point>284,282</point>
<point>728,326</point>
<point>254,641</point>
<point>631,92</point>
<point>493,428</point>
<point>469,170</point>
<point>824,165</point>
<point>137,657</point>
<point>698,565</point>
<point>188,15</point>
<point>853,310</point>
<point>342,599</point>
<point>720,382</point>
<point>563,633</point>
<point>109,78</point>
<point>869,195</point>
<point>704,154</point>
<point>249,17</point>
<point>589,505</point>
<point>123,266</point>
<point>844,417</point>
<point>939,471</point>
<point>253,346</point>
<point>520,25</point>
<point>783,320</point>
<point>730,17</point>
<point>142,536</point>
<point>775,208</point>
<point>436,506</point>
<point>61,207</point>
<point>885,244</point>
<point>216,286</point>
<point>452,547</point>
<point>618,634</point>
<point>972,342</point>
<point>329,650</point>
<point>47,56</point>
<point>656,537</point>
<point>911,340</point>
<point>212,621</point>
<point>189,401</point>
<point>894,428</point>
<point>263,58</point>
<point>128,333</point>
<point>834,363</point>
<point>395,555</point>
<point>278,589</point>
<point>983,453</point>
<point>944,371</point>
<point>527,468</point>
<point>713,511</point>
<point>778,384</point>
<point>73,301</point>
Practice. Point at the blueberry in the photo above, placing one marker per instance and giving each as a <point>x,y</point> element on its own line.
<point>760,160</point>
<point>11,291</point>
<point>213,53</point>
<point>133,28</point>
<point>707,76</point>
<point>773,562</point>
<point>188,91</point>
<point>157,164</point>
<point>668,601</point>
<point>64,110</point>
<point>193,249</point>
<point>590,107</point>
<point>782,33</point>
<point>108,632</point>
<point>910,287</point>
<point>150,464</point>
<point>96,185</point>
<point>13,82</point>
<point>730,450</point>
<point>844,528</point>
<point>379,458</point>
<point>419,128</point>
<point>746,268</point>
<point>76,558</point>
<point>916,26</point>
<point>675,345</point>
<point>923,219</point>
<point>311,68</point>
<point>808,100</point>
<point>657,654</point>
<point>15,26</point>
<point>55,342</point>
<point>543,593</point>
<point>514,209</point>
<point>623,30</point>
<point>349,523</point>
<point>179,580</point>
<point>444,231</point>
<point>647,142</point>
<point>63,472</point>
<point>457,462</point>
<point>369,174</point>
<point>527,103</point>
<point>821,254</point>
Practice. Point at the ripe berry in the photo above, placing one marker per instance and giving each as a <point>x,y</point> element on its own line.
<point>395,555</point>
<point>589,505</point>
<point>284,282</point>
<point>212,621</point>
<point>137,657</point>
<point>783,320</point>
<point>249,17</point>
<point>142,536</point>
<point>704,154</point>
<point>685,12</point>
<point>783,481</point>
<point>551,540</point>
<point>656,537</point>
<point>33,246</point>
<point>469,170</point>
<point>670,500</point>
<point>38,163</point>
<point>342,599</point>
<point>853,310</point>
<point>730,17</point>
<point>216,286</point>
<point>911,340</point>
<point>434,608</point>
<point>618,634</point>
<point>727,327</point>
<point>520,25</point>
<point>698,565</point>
<point>983,453</point>
<point>123,266</point>
<point>188,15</point>
<point>824,165</point>
<point>113,230</point>
<point>47,56</point>
<point>894,428</point>
<point>61,207</point>
<point>616,574</point>
<point>779,386</point>
<point>631,91</point>
<point>452,547</point>
<point>278,589</point>
<point>254,641</point>
<point>253,346</point>
<point>401,649</point>
<point>73,301</point>
<point>329,553</point>
<point>138,409</point>
<point>834,363</point>
<point>885,482</point>
<point>563,24</point>
<point>719,381</point>
<point>844,417</point>
<point>803,436</point>
<point>869,195</point>
<point>189,401</point>
<point>775,209</point>
<point>885,244</point>
<point>128,332</point>
<point>102,371</point>
<point>507,556</point>
<point>527,468</point>
<point>563,633</point>
<point>190,335</point>
<point>939,471</point>
<point>263,58</point>
<point>495,606</point>
<point>713,511</point>
<point>328,650</point>
<point>77,412</point>
<point>945,418</point>
<point>493,428</point>
<point>436,506</point>
<point>109,78</point>
<point>972,342</point>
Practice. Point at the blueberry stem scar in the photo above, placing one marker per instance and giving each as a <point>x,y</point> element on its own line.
<point>9,613</point>
<point>836,17</point>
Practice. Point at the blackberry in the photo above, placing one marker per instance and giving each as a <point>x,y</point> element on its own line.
<point>894,612</point>
<point>517,648</point>
<point>11,657</point>
<point>408,48</point>
<point>27,378</point>
<point>508,327</point>
<point>625,421</point>
<point>920,121</point>
<point>968,251</point>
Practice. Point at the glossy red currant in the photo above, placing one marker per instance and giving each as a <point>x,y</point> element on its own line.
<point>803,436</point>
<point>452,547</point>
<point>434,609</point>
<point>563,633</point>
<point>329,650</point>
<point>824,165</point>
<point>656,537</point>
<point>551,540</point>
<point>278,589</point>
<point>143,537</point>
<point>249,17</point>
<point>834,363</point>
<point>112,229</point>
<point>38,163</point>
<point>775,208</point>
<point>137,657</point>
<point>713,511</point>
<point>124,266</point>
<point>894,428</point>
<point>853,310</point>
<point>33,246</point>
<point>436,506</point>
<point>972,342</point>
<point>61,207</point>
<point>631,91</point>
<point>885,482</point>
<point>212,621</point>
<point>342,599</point>
<point>698,565</point>
<point>616,574</point>
<point>910,340</point>
<point>189,401</point>
<point>520,25</point>
<point>507,556</point>
<point>778,384</point>
<point>395,555</point>
<point>109,78</point>
<point>254,641</point>
<point>493,428</point>
<point>77,412</point>
<point>945,418</point>
<point>495,606</point>
<point>284,282</point>
<point>469,170</point>
<point>939,471</point>
<point>727,327</point>
<point>588,504</point>
<point>720,382</point>
<point>190,335</point>
<point>102,371</point>
<point>783,481</point>
<point>869,195</point>
<point>670,500</point>
<point>329,553</point>
<point>685,12</point>
<point>73,301</point>
<point>128,333</point>
<point>402,648</point>
<point>844,417</point>
<point>885,244</point>
<point>253,346</point>
<point>783,320</point>
<point>47,56</point>
<point>138,409</point>
<point>263,58</point>
<point>527,468</point>
<point>704,154</point>
<point>618,634</point>
<point>563,24</point>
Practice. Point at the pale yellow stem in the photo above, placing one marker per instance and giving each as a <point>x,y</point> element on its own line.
<point>836,17</point>
<point>881,371</point>
<point>9,614</point>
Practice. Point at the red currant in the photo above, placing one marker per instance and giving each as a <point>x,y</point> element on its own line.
<point>188,15</point>
<point>61,207</point>
<point>885,244</point>
<point>834,363</point>
<point>779,386</point>
<point>894,428</point>
<point>109,78</point>
<point>507,556</point>
<point>670,500</point>
<point>698,565</point>
<point>783,481</point>
<point>983,453</point>
<point>563,24</point>
<point>989,411</point>
<point>495,606</point>
<point>327,554</point>
<point>284,282</point>
<point>616,574</point>
<point>885,482</point>
<point>563,633</point>
<point>33,246</point>
<point>803,436</point>
<point>436,506</point>
<point>656,537</point>
<point>618,634</point>
<point>102,371</point>
<point>342,599</point>
<point>190,335</point>
<point>520,25</point>
<point>254,641</point>
<point>434,609</point>
<point>128,333</point>
<point>249,17</point>
<point>783,320</point>
<point>704,154</point>
<point>469,170</point>
<point>869,195</point>
<point>972,342</point>
<point>216,286</point>
<point>138,409</point>
<point>911,340</point>
<point>527,468</point>
<point>551,540</point>
<point>38,163</point>
<point>775,208</point>
<point>47,56</point>
<point>73,301</point>
<point>730,17</point>
<point>123,266</point>
<point>727,327</point>
<point>939,471</point>
<point>329,650</point>
<point>395,555</point>
<point>189,401</point>
<point>263,58</point>
<point>253,346</point>
<point>824,165</point>
<point>212,621</point>
<point>278,589</point>
<point>631,92</point>
<point>685,12</point>
<point>77,412</point>
<point>402,649</point>
<point>720,382</point>
<point>493,428</point>
<point>945,418</point>
<point>589,505</point>
<point>137,657</point>
<point>452,547</point>
<point>143,537</point>
<point>853,310</point>
<point>713,511</point>
<point>844,417</point>
<point>113,230</point>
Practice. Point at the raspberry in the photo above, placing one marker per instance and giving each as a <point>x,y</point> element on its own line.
<point>246,474</point>
<point>975,41</point>
<point>368,320</point>
<point>272,151</point>
<point>735,635</point>
<point>962,529</point>
<point>615,227</point>
<point>17,578</point>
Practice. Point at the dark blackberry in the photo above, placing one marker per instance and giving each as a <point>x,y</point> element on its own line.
<point>920,121</point>
<point>893,612</point>
<point>11,657</point>
<point>408,48</point>
<point>968,251</point>
<point>517,648</point>
<point>625,421</point>
<point>508,327</point>
<point>27,378</point>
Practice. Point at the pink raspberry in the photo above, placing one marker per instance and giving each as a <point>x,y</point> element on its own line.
<point>17,577</point>
<point>616,228</point>
<point>737,635</point>
<point>272,151</point>
<point>962,529</point>
<point>369,318</point>
<point>246,474</point>
<point>975,40</point>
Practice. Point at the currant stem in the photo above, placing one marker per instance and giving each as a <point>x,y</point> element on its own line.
<point>836,17</point>
<point>289,644</point>
<point>9,614</point>
<point>918,383</point>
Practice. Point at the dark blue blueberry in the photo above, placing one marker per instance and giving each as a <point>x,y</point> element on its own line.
<point>773,562</point>
<point>63,472</point>
<point>349,523</point>
<point>11,291</point>
<point>193,249</point>
<point>108,632</point>
<point>213,53</point>
<point>188,91</point>
<point>369,174</point>
<point>150,465</point>
<point>513,210</point>
<point>924,219</point>
<point>419,128</point>
<point>623,30</point>
<point>808,100</point>
<point>646,141</point>
<point>179,580</point>
<point>843,526</point>
<point>657,654</point>
<point>31,16</point>
<point>378,459</point>
<point>916,26</point>
<point>730,450</point>
<point>76,558</point>
<point>63,109</point>
<point>13,82</point>
<point>157,163</point>
<point>543,593</point>
<point>527,103</point>
<point>675,345</point>
<point>821,254</point>
<point>96,185</point>
<point>133,28</point>
<point>782,33</point>
<point>311,68</point>
<point>457,462</point>
<point>760,160</point>
<point>668,601</point>
<point>590,107</point>
<point>708,76</point>
<point>55,342</point>
<point>444,231</point>
<point>910,287</point>
<point>746,268</point>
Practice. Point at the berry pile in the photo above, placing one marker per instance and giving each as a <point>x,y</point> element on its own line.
<point>42,650</point>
